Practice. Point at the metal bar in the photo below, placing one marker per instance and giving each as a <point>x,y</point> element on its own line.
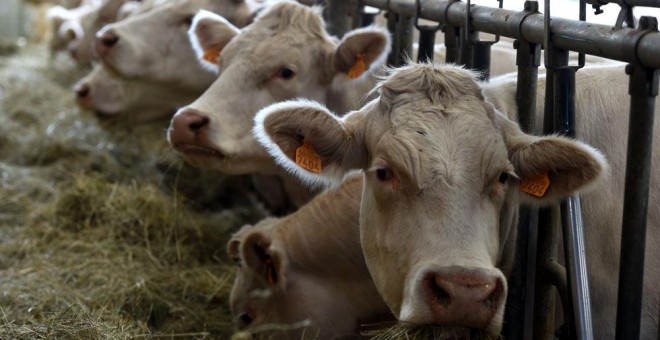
<point>590,38</point>
<point>517,325</point>
<point>452,43</point>
<point>340,16</point>
<point>643,3</point>
<point>426,43</point>
<point>544,297</point>
<point>576,263</point>
<point>643,90</point>
<point>481,59</point>
<point>392,19</point>
<point>404,38</point>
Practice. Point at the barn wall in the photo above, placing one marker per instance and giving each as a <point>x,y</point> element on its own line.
<point>12,14</point>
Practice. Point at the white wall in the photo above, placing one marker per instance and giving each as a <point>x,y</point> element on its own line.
<point>12,15</point>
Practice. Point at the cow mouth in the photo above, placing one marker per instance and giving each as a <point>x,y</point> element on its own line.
<point>193,150</point>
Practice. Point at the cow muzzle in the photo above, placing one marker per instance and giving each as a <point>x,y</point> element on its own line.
<point>189,134</point>
<point>458,297</point>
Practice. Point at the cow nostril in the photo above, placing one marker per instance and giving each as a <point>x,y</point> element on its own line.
<point>493,299</point>
<point>109,40</point>
<point>82,91</point>
<point>198,124</point>
<point>441,295</point>
<point>245,318</point>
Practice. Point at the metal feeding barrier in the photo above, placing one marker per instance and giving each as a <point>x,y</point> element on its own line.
<point>531,301</point>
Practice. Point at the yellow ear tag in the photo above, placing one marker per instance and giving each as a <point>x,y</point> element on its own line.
<point>537,185</point>
<point>212,55</point>
<point>307,158</point>
<point>358,68</point>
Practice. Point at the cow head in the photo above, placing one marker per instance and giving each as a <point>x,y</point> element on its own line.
<point>286,53</point>
<point>154,45</point>
<point>444,173</point>
<point>111,96</point>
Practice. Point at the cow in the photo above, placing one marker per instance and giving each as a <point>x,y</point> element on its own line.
<point>82,29</point>
<point>303,275</point>
<point>446,169</point>
<point>286,53</point>
<point>154,45</point>
<point>148,37</point>
<point>112,97</point>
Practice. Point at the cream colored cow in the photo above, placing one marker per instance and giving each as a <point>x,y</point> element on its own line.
<point>286,53</point>
<point>445,172</point>
<point>172,78</point>
<point>305,273</point>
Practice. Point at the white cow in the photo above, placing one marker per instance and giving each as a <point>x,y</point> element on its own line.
<point>445,172</point>
<point>155,93</point>
<point>303,275</point>
<point>286,53</point>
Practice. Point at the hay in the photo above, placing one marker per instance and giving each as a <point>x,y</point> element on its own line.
<point>405,331</point>
<point>104,232</point>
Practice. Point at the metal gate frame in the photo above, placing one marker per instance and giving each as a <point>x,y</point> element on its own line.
<point>536,269</point>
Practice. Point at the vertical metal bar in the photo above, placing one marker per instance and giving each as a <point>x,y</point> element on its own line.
<point>392,19</point>
<point>426,36</point>
<point>426,44</point>
<point>544,297</point>
<point>481,59</point>
<point>404,38</point>
<point>521,281</point>
<point>452,43</point>
<point>340,15</point>
<point>574,248</point>
<point>643,90</point>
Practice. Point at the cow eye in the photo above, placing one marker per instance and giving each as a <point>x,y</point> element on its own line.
<point>286,73</point>
<point>383,174</point>
<point>503,177</point>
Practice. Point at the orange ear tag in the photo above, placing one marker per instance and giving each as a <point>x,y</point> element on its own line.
<point>307,158</point>
<point>212,55</point>
<point>537,185</point>
<point>358,68</point>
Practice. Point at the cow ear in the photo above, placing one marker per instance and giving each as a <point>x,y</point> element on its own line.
<point>261,257</point>
<point>312,143</point>
<point>209,34</point>
<point>361,51</point>
<point>551,168</point>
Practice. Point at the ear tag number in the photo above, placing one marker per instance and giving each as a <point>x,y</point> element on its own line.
<point>212,55</point>
<point>537,185</point>
<point>358,68</point>
<point>307,158</point>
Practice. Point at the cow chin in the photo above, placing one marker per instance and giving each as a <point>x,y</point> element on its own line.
<point>456,297</point>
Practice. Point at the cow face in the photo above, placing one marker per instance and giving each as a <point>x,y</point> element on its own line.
<point>154,45</point>
<point>286,53</point>
<point>111,96</point>
<point>443,176</point>
<point>83,29</point>
<point>275,296</point>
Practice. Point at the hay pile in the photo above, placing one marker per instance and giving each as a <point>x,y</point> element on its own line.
<point>104,232</point>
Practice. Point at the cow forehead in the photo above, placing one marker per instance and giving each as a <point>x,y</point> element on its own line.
<point>453,140</point>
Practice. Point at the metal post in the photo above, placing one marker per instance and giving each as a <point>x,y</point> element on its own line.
<point>404,38</point>
<point>643,89</point>
<point>392,19</point>
<point>520,298</point>
<point>452,43</point>
<point>426,37</point>
<point>340,16</point>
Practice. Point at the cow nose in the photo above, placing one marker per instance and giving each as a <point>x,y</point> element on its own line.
<point>187,125</point>
<point>464,297</point>
<point>105,40</point>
